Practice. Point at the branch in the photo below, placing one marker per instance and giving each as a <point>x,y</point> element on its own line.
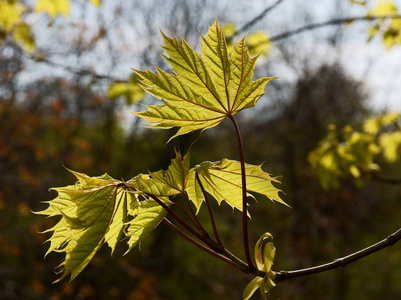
<point>79,72</point>
<point>341,262</point>
<point>378,178</point>
<point>338,21</point>
<point>256,19</point>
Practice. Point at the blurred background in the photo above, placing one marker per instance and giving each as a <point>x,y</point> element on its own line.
<point>65,91</point>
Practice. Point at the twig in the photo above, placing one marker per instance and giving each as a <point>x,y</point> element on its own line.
<point>79,72</point>
<point>378,178</point>
<point>341,262</point>
<point>338,21</point>
<point>257,18</point>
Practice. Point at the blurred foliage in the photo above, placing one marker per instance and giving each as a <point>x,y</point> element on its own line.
<point>130,91</point>
<point>258,42</point>
<point>388,28</point>
<point>352,153</point>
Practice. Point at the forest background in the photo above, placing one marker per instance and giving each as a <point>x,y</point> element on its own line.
<point>66,86</point>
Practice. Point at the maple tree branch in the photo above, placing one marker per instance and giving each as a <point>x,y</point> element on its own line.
<point>340,262</point>
<point>337,21</point>
<point>76,71</point>
<point>244,196</point>
<point>209,208</point>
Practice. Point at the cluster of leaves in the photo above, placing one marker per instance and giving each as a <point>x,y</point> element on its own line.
<point>203,91</point>
<point>352,153</point>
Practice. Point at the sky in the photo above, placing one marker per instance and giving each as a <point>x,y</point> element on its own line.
<point>372,63</point>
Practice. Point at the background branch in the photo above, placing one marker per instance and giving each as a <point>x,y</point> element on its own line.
<point>332,22</point>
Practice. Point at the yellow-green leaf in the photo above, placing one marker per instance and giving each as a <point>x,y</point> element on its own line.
<point>53,7</point>
<point>149,215</point>
<point>259,43</point>
<point>130,90</point>
<point>222,180</point>
<point>96,2</point>
<point>390,142</point>
<point>383,8</point>
<point>10,14</point>
<point>264,257</point>
<point>93,211</point>
<point>23,35</point>
<point>204,90</point>
<point>171,182</point>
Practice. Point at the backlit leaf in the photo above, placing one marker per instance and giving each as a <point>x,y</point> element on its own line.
<point>222,180</point>
<point>149,215</point>
<point>204,90</point>
<point>93,212</point>
<point>171,182</point>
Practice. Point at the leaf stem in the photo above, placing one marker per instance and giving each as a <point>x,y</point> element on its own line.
<point>244,202</point>
<point>341,262</point>
<point>207,241</point>
<point>198,224</point>
<point>209,207</point>
<point>204,248</point>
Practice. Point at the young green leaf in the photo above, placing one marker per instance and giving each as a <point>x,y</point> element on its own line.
<point>204,90</point>
<point>149,215</point>
<point>222,180</point>
<point>264,257</point>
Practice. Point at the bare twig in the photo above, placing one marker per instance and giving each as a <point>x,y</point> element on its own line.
<point>338,21</point>
<point>257,18</point>
<point>341,262</point>
<point>76,71</point>
<point>378,178</point>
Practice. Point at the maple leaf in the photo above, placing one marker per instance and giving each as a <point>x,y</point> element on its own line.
<point>222,180</point>
<point>93,212</point>
<point>171,182</point>
<point>204,90</point>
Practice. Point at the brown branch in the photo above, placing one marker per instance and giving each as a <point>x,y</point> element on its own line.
<point>340,262</point>
<point>338,21</point>
<point>79,72</point>
<point>378,178</point>
<point>256,19</point>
